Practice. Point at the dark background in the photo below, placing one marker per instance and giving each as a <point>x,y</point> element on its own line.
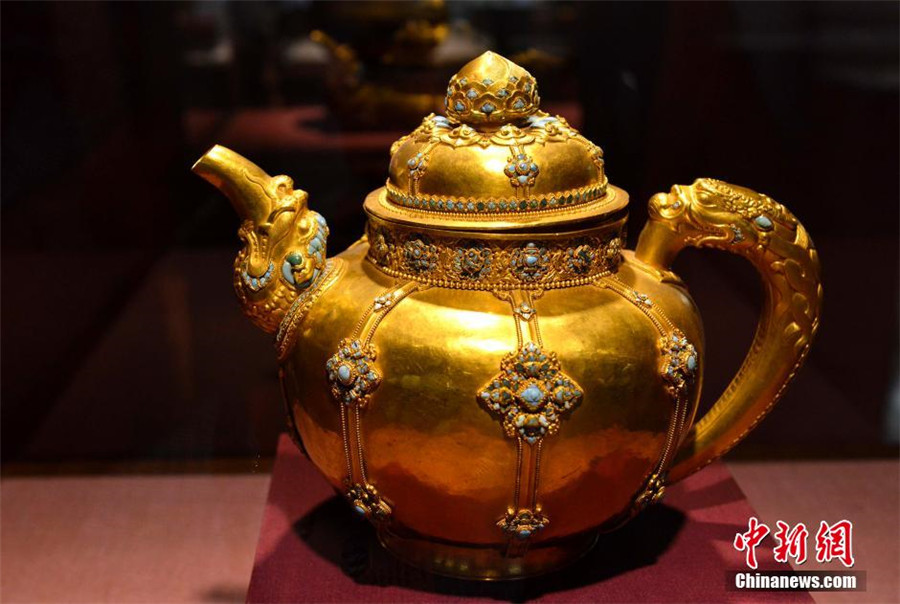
<point>121,340</point>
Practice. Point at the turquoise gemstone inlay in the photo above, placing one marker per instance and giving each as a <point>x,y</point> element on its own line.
<point>286,272</point>
<point>521,394</point>
<point>345,374</point>
<point>679,370</point>
<point>352,373</point>
<point>763,222</point>
<point>532,397</point>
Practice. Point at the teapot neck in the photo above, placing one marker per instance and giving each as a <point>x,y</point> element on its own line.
<point>528,258</point>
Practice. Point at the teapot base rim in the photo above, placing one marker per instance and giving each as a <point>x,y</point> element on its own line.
<point>487,562</point>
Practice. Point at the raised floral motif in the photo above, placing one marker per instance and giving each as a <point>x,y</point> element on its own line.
<point>538,128</point>
<point>469,263</point>
<point>379,248</point>
<point>654,491</point>
<point>419,255</point>
<point>679,362</point>
<point>367,502</point>
<point>472,262</point>
<point>382,302</point>
<point>417,165</point>
<point>475,97</point>
<point>525,311</point>
<point>521,170</point>
<point>642,299</point>
<point>530,394</point>
<point>524,523</point>
<point>352,373</point>
<point>580,259</point>
<point>531,262</point>
<point>612,251</point>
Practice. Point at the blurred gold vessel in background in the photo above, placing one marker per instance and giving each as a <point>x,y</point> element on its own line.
<point>487,375</point>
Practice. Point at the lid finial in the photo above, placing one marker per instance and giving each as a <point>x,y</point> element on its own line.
<point>491,90</point>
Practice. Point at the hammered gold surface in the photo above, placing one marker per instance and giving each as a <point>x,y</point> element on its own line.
<point>466,164</point>
<point>440,459</point>
<point>482,381</point>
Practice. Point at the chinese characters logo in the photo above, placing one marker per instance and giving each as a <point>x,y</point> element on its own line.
<point>832,542</point>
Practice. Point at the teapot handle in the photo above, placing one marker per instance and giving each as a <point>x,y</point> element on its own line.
<point>715,214</point>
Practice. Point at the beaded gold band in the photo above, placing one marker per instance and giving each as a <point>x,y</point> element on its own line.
<point>510,205</point>
<point>467,261</point>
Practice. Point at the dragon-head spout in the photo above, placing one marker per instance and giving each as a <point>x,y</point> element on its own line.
<point>284,241</point>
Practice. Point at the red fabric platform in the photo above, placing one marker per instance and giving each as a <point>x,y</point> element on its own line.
<point>313,549</point>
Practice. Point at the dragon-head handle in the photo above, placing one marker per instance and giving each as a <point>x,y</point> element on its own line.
<point>284,241</point>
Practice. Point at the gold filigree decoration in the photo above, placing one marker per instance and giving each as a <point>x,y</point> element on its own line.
<point>652,493</point>
<point>286,336</point>
<point>496,205</point>
<point>539,129</point>
<point>494,264</point>
<point>524,523</point>
<point>678,368</point>
<point>530,394</point>
<point>491,90</point>
<point>354,378</point>
<point>367,502</point>
<point>352,373</point>
<point>679,361</point>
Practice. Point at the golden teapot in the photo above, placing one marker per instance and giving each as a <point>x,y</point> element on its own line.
<point>487,375</point>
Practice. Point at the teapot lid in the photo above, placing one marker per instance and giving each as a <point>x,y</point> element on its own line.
<point>496,161</point>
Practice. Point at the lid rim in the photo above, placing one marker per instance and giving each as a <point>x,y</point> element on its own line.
<point>608,208</point>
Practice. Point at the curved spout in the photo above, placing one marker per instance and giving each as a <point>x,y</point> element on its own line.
<point>284,242</point>
<point>239,179</point>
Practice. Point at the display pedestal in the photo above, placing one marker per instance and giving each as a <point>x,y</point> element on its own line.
<point>312,548</point>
